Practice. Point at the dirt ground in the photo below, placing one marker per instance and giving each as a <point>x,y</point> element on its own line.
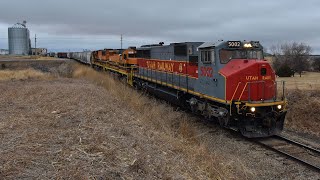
<point>87,126</point>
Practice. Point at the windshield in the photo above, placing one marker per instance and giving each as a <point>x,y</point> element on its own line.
<point>227,55</point>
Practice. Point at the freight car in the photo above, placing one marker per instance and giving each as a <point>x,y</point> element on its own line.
<point>226,81</point>
<point>62,55</point>
<point>83,57</point>
<point>52,54</point>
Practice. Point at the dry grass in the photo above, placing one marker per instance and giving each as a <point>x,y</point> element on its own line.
<point>176,127</point>
<point>22,74</point>
<point>16,57</point>
<point>45,58</point>
<point>303,111</point>
<point>308,81</point>
<point>303,95</point>
<point>39,71</point>
<point>124,134</point>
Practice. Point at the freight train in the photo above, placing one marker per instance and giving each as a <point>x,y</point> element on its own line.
<point>226,81</point>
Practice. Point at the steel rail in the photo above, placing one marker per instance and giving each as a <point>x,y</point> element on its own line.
<point>299,144</point>
<point>294,145</point>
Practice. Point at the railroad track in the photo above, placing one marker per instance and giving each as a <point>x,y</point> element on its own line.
<point>304,154</point>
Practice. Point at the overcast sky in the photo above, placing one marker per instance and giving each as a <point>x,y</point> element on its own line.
<point>63,25</point>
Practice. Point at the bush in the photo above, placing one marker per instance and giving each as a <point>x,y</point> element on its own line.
<point>316,64</point>
<point>284,71</point>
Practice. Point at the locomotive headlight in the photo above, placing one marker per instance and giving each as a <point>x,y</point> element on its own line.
<point>247,45</point>
<point>252,109</point>
<point>279,106</point>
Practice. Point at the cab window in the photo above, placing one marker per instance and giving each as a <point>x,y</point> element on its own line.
<point>226,55</point>
<point>263,71</point>
<point>206,56</point>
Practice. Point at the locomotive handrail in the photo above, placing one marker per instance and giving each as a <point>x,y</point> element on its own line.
<point>276,90</point>
<point>233,96</point>
<point>275,97</point>
<point>242,91</point>
<point>247,85</point>
<point>235,91</point>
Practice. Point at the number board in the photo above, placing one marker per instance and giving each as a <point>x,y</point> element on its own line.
<point>234,44</point>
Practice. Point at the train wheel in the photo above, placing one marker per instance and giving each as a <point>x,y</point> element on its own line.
<point>224,121</point>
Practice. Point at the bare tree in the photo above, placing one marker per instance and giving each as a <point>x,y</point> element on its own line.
<point>277,58</point>
<point>294,55</point>
<point>300,54</point>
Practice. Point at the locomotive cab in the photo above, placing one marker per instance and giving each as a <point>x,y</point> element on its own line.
<point>235,74</point>
<point>128,56</point>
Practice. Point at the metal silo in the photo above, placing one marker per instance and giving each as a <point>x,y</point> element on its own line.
<point>19,39</point>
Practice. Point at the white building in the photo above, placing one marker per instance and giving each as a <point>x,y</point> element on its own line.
<point>4,51</point>
<point>40,51</point>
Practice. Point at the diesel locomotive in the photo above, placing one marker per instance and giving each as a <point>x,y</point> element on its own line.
<point>226,81</point>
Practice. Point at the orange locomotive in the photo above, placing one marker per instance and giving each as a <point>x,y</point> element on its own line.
<point>123,58</point>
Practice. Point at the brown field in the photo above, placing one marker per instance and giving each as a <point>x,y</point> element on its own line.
<point>303,94</point>
<point>308,81</point>
<point>22,74</point>
<point>71,122</point>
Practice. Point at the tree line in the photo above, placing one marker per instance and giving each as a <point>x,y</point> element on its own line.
<point>291,58</point>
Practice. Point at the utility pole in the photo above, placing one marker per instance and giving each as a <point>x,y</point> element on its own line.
<point>121,41</point>
<point>35,44</point>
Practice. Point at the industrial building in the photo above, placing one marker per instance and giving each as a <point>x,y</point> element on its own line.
<point>39,51</point>
<point>19,39</point>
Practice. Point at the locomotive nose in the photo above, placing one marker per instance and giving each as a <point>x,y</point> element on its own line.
<point>249,80</point>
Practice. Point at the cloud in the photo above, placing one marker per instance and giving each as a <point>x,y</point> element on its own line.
<point>96,24</point>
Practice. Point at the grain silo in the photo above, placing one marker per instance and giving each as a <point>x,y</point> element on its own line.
<point>19,39</point>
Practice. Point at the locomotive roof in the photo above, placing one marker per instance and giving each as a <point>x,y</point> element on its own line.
<point>255,44</point>
<point>149,46</point>
<point>207,45</point>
